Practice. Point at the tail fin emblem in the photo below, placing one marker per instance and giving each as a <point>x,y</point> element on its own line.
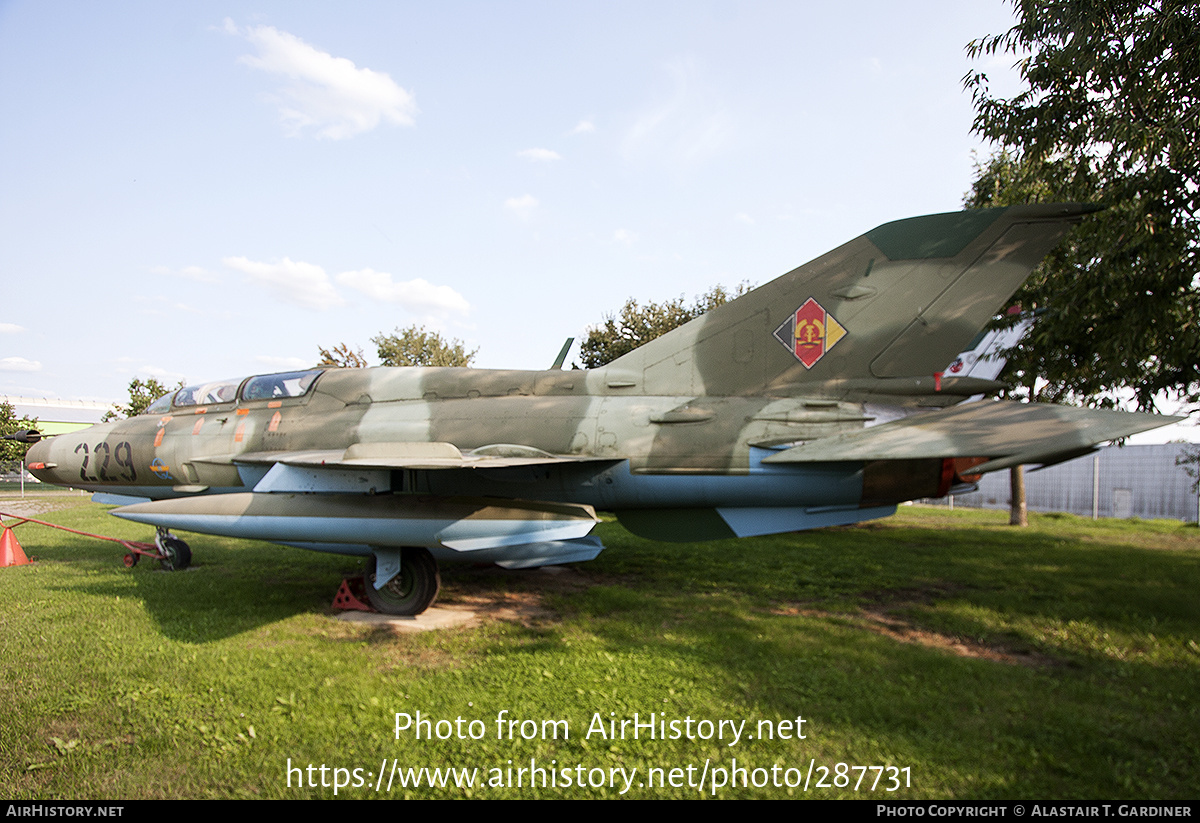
<point>809,332</point>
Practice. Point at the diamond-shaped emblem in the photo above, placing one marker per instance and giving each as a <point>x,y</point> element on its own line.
<point>809,332</point>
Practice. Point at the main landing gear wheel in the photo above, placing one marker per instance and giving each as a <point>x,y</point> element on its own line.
<point>410,592</point>
<point>176,555</point>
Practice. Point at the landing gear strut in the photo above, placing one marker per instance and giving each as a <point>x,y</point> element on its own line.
<point>411,591</point>
<point>174,554</point>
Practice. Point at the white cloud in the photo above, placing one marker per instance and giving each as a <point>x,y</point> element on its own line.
<point>10,328</point>
<point>742,217</point>
<point>521,206</point>
<point>19,364</point>
<point>540,155</point>
<point>625,237</point>
<point>687,128</point>
<point>416,295</point>
<point>584,127</point>
<point>327,93</point>
<point>165,376</point>
<point>301,283</point>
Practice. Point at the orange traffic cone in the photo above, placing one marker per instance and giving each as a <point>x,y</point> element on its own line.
<point>10,550</point>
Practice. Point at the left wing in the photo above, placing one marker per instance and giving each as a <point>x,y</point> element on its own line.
<point>405,455</point>
<point>339,500</point>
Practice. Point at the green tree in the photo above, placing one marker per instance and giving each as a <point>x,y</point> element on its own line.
<point>418,346</point>
<point>342,357</point>
<point>141,394</point>
<point>11,451</point>
<point>636,325</point>
<point>1109,113</point>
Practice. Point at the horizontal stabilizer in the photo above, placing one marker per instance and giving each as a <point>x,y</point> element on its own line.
<point>1025,432</point>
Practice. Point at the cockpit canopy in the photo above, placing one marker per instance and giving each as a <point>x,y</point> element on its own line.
<point>207,394</point>
<point>277,386</point>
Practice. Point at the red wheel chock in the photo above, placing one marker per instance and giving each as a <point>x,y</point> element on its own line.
<point>352,596</point>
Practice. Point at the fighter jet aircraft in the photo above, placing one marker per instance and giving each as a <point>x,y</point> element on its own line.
<point>818,399</point>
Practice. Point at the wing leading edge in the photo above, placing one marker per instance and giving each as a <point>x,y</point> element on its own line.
<point>406,455</point>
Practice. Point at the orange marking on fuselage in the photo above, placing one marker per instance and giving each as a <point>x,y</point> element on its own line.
<point>274,424</point>
<point>158,438</point>
<point>274,404</point>
<point>240,433</point>
<point>243,411</point>
<point>196,428</point>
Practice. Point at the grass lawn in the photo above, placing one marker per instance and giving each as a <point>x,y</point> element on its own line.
<point>931,655</point>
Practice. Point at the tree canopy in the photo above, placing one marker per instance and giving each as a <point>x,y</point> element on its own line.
<point>141,394</point>
<point>412,346</point>
<point>10,450</point>
<point>1109,114</point>
<point>418,346</point>
<point>342,356</point>
<point>636,325</point>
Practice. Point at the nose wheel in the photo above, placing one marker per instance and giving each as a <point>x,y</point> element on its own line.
<point>173,554</point>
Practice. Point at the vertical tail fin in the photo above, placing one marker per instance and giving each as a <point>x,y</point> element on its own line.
<point>898,302</point>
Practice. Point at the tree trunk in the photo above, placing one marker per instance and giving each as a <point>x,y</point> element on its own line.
<point>1018,516</point>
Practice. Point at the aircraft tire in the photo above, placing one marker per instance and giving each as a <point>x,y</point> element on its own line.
<point>410,592</point>
<point>178,555</point>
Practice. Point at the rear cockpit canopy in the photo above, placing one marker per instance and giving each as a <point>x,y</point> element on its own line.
<point>279,386</point>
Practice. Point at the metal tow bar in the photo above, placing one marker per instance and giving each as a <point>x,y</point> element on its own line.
<point>135,549</point>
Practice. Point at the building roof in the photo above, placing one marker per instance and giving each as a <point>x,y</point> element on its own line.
<point>49,410</point>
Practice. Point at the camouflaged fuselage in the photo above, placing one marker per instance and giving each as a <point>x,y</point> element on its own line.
<point>783,409</point>
<point>563,413</point>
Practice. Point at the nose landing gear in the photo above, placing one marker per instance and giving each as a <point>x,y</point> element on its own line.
<point>173,554</point>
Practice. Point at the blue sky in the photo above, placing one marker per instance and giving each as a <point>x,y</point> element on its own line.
<point>207,190</point>
<point>204,190</point>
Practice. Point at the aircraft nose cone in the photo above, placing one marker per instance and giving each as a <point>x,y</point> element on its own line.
<point>36,458</point>
<point>39,452</point>
<point>54,460</point>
